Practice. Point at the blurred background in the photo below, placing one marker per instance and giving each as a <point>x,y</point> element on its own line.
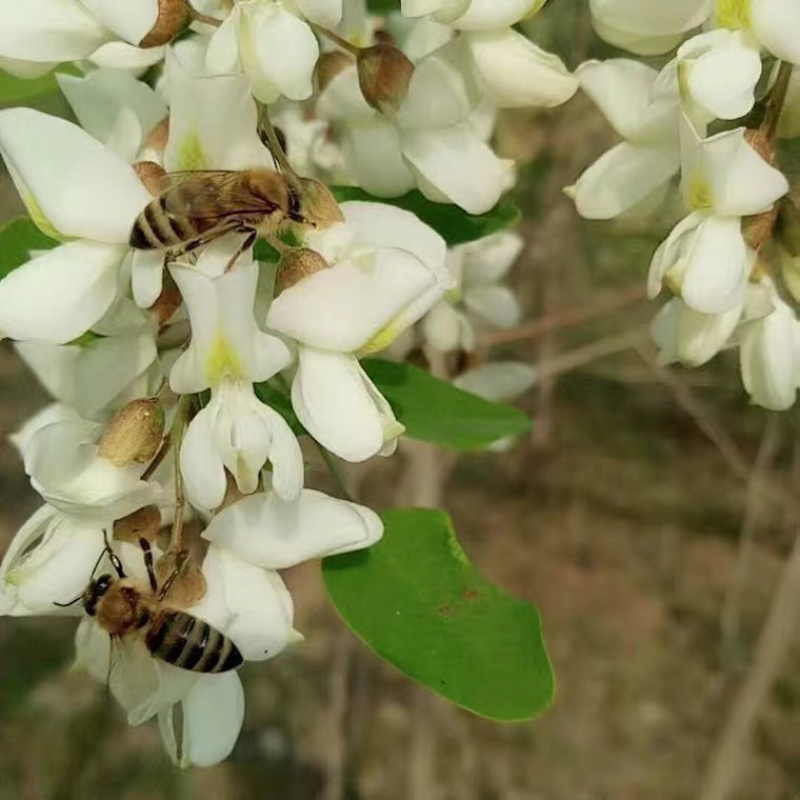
<point>635,516</point>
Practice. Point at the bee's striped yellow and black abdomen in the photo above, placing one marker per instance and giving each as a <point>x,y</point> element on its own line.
<point>190,643</point>
<point>156,227</point>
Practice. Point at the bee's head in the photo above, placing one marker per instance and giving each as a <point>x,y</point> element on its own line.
<point>94,591</point>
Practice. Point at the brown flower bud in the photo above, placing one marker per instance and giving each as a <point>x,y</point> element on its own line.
<point>297,264</point>
<point>384,73</point>
<point>151,175</point>
<point>174,16</point>
<point>318,205</point>
<point>134,434</point>
<point>329,66</point>
<point>142,524</point>
<point>189,586</point>
<point>158,137</point>
<point>168,302</point>
<point>757,230</point>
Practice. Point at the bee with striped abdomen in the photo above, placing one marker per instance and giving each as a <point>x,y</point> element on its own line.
<point>195,208</point>
<point>126,610</point>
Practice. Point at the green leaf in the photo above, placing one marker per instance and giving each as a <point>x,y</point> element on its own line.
<point>383,6</point>
<point>417,601</point>
<point>278,401</point>
<point>436,411</point>
<point>17,238</point>
<point>22,90</point>
<point>454,224</point>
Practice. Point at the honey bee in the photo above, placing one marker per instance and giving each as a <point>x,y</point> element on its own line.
<point>195,208</point>
<point>126,610</point>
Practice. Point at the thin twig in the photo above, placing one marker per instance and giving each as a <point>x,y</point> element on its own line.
<point>777,100</point>
<point>330,462</point>
<point>567,318</point>
<point>336,740</point>
<point>198,16</point>
<point>731,610</point>
<point>723,776</point>
<point>158,460</point>
<point>178,426</point>
<point>335,38</point>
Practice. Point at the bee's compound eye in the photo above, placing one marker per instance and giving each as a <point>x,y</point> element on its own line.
<point>102,584</point>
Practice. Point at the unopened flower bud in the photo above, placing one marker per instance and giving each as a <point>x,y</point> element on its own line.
<point>757,230</point>
<point>174,16</point>
<point>384,73</point>
<point>142,524</point>
<point>168,302</point>
<point>188,586</point>
<point>318,205</point>
<point>297,264</point>
<point>134,434</point>
<point>158,137</point>
<point>329,66</point>
<point>151,175</point>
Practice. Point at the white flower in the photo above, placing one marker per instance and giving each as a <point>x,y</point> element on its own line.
<point>473,14</point>
<point>52,31</point>
<point>264,530</point>
<point>228,353</point>
<point>386,270</point>
<point>115,108</point>
<point>769,350</point>
<point>432,142</point>
<point>648,27</point>
<point>248,604</point>
<point>479,268</point>
<point>719,71</point>
<point>772,23</point>
<point>77,190</point>
<point>49,561</point>
<point>705,259</point>
<point>274,47</point>
<point>61,458</point>
<point>647,119</point>
<point>685,335</point>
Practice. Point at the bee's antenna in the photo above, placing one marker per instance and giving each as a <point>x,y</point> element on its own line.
<point>105,550</point>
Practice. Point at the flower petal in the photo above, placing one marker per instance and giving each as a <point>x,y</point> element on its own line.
<point>717,268</point>
<point>131,22</point>
<point>67,177</point>
<point>622,178</point>
<point>457,164</point>
<point>775,24</point>
<point>201,465</point>
<point>314,526</point>
<point>517,73</point>
<point>324,12</point>
<point>372,154</point>
<point>59,295</point>
<point>48,30</point>
<point>344,307</point>
<point>278,52</point>
<point>213,713</point>
<point>333,399</point>
<point>499,381</point>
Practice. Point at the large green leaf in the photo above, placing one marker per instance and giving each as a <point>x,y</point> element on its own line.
<point>17,238</point>
<point>436,411</point>
<point>416,600</point>
<point>454,224</point>
<point>24,90</point>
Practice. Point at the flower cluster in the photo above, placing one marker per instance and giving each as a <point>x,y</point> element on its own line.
<point>712,115</point>
<point>206,300</point>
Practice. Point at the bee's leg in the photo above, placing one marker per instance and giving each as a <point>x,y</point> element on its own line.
<point>206,238</point>
<point>113,557</point>
<point>180,559</point>
<point>246,245</point>
<point>148,562</point>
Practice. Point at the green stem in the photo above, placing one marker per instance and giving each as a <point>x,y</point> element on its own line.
<point>336,39</point>
<point>777,99</point>
<point>330,462</point>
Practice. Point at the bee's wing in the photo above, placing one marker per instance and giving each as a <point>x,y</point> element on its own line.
<point>211,195</point>
<point>133,678</point>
